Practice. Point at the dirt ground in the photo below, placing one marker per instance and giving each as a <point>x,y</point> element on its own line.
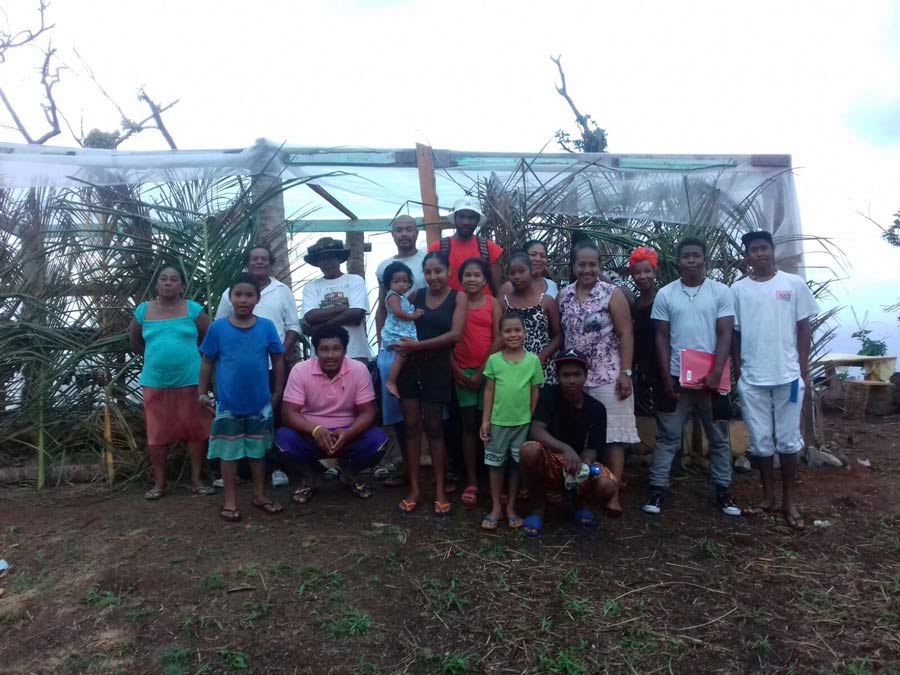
<point>103,582</point>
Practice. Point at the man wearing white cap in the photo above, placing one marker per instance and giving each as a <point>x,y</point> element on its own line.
<point>465,244</point>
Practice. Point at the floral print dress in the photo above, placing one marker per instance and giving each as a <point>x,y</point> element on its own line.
<point>588,327</point>
<point>537,332</point>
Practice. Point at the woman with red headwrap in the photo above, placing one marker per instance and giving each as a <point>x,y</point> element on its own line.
<point>643,264</point>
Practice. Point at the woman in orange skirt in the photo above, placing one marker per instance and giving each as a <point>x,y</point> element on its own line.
<point>167,332</point>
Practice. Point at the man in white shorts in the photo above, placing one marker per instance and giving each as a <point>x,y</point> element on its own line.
<point>770,351</point>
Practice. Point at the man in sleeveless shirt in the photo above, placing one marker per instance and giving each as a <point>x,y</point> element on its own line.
<point>466,217</point>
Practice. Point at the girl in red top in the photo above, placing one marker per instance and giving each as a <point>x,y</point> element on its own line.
<point>480,338</point>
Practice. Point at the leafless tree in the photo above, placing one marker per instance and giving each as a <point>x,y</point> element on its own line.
<point>50,71</point>
<point>593,138</point>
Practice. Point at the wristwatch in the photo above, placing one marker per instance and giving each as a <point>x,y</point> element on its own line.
<point>627,371</point>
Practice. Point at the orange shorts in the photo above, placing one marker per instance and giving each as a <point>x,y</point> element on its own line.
<point>555,480</point>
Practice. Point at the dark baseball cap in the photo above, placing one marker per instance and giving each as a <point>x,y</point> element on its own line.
<point>571,356</point>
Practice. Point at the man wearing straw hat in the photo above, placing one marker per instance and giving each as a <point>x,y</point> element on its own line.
<point>466,217</point>
<point>337,298</point>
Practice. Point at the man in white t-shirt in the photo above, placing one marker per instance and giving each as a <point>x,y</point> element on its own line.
<point>337,298</point>
<point>770,351</point>
<point>693,312</point>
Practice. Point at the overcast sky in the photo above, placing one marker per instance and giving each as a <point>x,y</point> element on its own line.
<point>817,80</point>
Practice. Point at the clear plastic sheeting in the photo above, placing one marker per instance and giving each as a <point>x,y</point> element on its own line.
<point>378,183</point>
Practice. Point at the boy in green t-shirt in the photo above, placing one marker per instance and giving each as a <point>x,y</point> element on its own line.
<point>513,377</point>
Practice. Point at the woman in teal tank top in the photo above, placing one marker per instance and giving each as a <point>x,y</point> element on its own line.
<point>167,332</point>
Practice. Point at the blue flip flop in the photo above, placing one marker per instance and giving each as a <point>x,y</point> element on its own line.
<point>533,526</point>
<point>584,518</point>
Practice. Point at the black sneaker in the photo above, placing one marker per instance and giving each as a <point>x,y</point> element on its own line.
<point>726,503</point>
<point>653,503</point>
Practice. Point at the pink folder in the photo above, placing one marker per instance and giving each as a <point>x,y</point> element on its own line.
<point>696,364</point>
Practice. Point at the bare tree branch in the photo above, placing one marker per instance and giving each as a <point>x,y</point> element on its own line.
<point>592,139</point>
<point>49,78</point>
<point>133,128</point>
<point>561,90</point>
<point>156,112</point>
<point>9,40</point>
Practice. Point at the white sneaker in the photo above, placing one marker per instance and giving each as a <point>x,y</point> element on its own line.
<point>279,478</point>
<point>333,473</point>
<point>218,483</point>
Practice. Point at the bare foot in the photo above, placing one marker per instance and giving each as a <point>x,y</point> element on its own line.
<point>614,507</point>
<point>766,505</point>
<point>793,518</point>
<point>391,386</point>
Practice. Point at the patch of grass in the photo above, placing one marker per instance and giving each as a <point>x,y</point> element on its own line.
<point>100,599</point>
<point>889,619</point>
<point>174,660</point>
<point>197,624</point>
<point>861,666</point>
<point>212,583</point>
<point>565,662</point>
<point>233,659</point>
<point>23,582</point>
<point>253,613</point>
<point>283,570</point>
<point>750,617</point>
<point>638,640</point>
<point>367,667</point>
<point>576,607</point>
<point>546,625</point>
<point>395,561</point>
<point>454,665</point>
<point>135,611</point>
<point>762,646</point>
<point>611,609</point>
<point>568,580</point>
<point>77,663</point>
<point>450,599</point>
<point>352,624</point>
<point>812,597</point>
<point>495,551</point>
<point>708,549</point>
<point>892,588</point>
<point>248,572</point>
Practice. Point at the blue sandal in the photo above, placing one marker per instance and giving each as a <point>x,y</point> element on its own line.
<point>533,526</point>
<point>584,518</point>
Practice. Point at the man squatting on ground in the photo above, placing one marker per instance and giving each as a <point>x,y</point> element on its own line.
<point>568,428</point>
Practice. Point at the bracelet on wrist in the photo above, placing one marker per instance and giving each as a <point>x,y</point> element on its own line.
<point>315,430</point>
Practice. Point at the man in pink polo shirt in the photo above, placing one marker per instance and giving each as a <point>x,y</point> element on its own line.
<point>329,413</point>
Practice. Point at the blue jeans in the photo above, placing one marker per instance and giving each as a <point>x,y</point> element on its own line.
<point>669,427</point>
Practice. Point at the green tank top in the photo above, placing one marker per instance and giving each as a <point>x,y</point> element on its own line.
<point>171,354</point>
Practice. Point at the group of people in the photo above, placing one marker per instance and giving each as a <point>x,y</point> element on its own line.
<point>542,376</point>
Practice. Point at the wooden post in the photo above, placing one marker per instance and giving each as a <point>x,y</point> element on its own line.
<point>272,231</point>
<point>428,188</point>
<point>356,242</point>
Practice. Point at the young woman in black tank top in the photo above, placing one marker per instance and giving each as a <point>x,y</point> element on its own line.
<point>426,380</point>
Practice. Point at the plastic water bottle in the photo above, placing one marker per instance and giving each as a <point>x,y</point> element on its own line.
<point>583,473</point>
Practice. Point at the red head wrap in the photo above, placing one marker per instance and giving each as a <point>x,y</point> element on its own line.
<point>644,253</point>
